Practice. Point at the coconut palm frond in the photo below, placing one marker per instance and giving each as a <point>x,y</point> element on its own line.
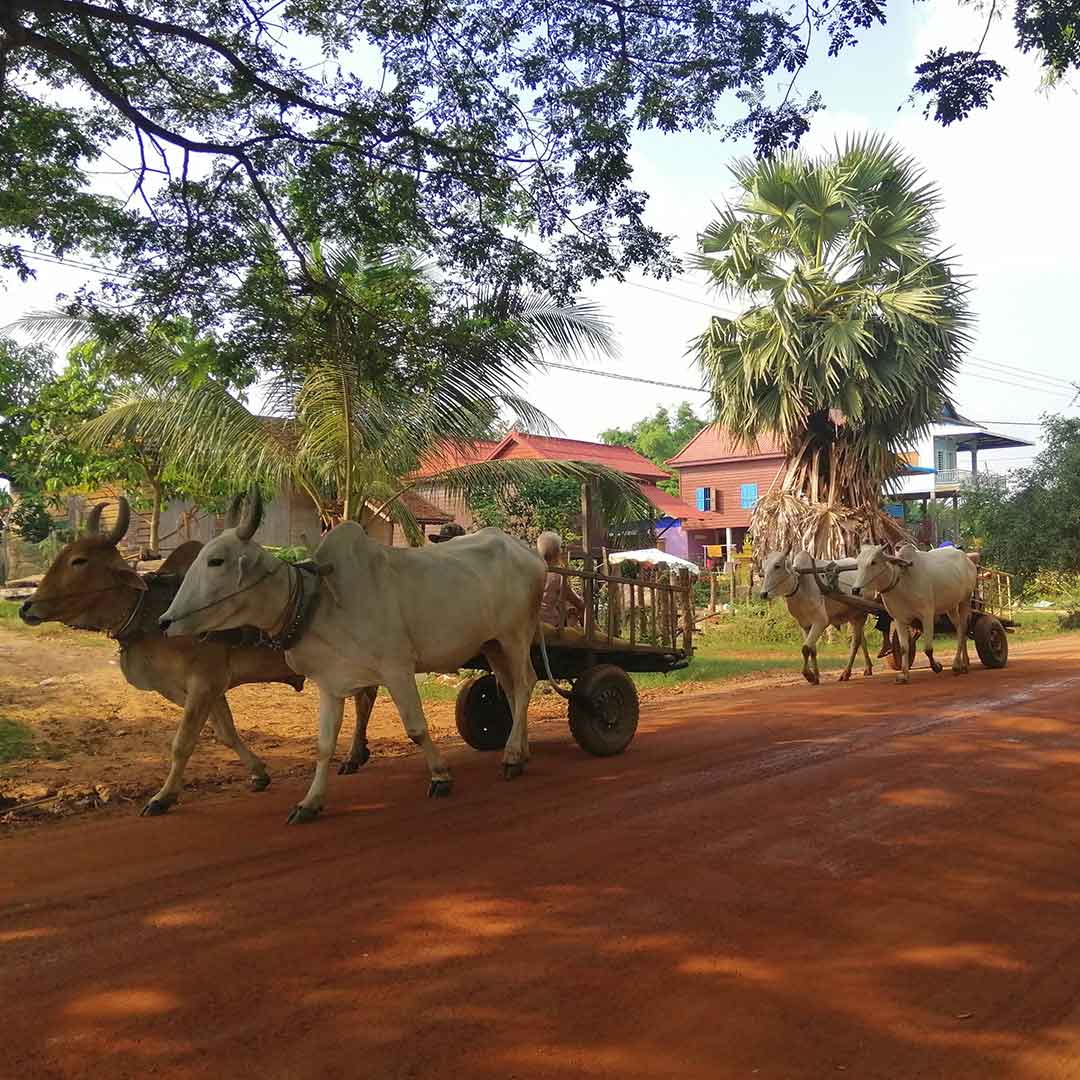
<point>618,496</point>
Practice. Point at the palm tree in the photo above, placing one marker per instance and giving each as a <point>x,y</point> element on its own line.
<point>855,327</point>
<point>374,365</point>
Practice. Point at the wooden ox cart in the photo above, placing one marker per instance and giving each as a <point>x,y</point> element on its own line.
<point>642,623</point>
<point>990,625</point>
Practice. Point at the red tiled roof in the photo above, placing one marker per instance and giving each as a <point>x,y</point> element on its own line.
<point>713,443</point>
<point>543,447</point>
<point>669,505</point>
<point>451,455</point>
<point>426,513</point>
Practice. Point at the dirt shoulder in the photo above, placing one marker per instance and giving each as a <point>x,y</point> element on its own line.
<point>100,744</point>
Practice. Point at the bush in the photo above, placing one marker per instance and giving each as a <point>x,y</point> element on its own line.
<point>31,520</point>
<point>761,622</point>
<point>1057,586</point>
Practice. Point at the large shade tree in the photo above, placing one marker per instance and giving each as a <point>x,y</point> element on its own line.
<point>855,325</point>
<point>493,136</point>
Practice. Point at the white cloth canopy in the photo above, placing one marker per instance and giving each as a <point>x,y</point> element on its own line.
<point>655,556</point>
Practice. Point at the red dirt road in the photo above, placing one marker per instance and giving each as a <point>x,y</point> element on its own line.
<point>865,879</point>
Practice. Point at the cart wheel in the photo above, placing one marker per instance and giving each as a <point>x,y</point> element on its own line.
<point>895,658</point>
<point>483,714</point>
<point>991,642</point>
<point>604,710</point>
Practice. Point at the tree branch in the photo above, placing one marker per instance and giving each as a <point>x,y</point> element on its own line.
<point>155,26</point>
<point>151,127</point>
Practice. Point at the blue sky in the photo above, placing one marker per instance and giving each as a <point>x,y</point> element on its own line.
<point>1003,174</point>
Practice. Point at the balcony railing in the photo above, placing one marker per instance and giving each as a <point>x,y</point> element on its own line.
<point>953,477</point>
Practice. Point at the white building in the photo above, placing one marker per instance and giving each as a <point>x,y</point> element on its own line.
<point>946,459</point>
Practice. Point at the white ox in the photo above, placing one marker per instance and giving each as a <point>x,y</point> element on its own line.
<point>814,610</point>
<point>383,615</point>
<point>918,586</point>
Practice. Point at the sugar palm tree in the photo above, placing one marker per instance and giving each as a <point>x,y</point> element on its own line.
<point>855,326</point>
<point>373,366</point>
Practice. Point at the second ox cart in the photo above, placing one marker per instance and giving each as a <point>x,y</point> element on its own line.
<point>991,607</point>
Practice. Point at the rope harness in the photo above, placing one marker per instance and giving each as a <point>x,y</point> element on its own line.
<point>230,596</point>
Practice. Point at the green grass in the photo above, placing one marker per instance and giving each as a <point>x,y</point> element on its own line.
<point>9,619</point>
<point>16,741</point>
<point>9,612</point>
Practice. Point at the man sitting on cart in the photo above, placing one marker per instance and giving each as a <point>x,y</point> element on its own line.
<point>558,598</point>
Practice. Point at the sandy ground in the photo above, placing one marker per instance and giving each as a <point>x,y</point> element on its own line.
<point>101,742</point>
<point>859,879</point>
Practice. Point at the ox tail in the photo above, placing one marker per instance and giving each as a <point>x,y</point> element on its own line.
<point>547,664</point>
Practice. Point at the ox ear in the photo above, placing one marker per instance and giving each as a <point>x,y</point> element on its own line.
<point>897,561</point>
<point>124,576</point>
<point>252,515</point>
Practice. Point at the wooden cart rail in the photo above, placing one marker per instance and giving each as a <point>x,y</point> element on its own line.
<point>654,609</point>
<point>641,623</point>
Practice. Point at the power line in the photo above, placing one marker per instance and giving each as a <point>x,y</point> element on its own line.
<point>1017,385</point>
<point>678,296</point>
<point>626,378</point>
<point>75,264</point>
<point>1012,369</point>
<point>701,390</point>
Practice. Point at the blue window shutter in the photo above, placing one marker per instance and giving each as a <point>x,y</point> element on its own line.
<point>749,496</point>
<point>699,499</point>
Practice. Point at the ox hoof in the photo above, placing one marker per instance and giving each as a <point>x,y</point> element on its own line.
<point>259,783</point>
<point>936,667</point>
<point>902,679</point>
<point>351,765</point>
<point>440,789</point>
<point>157,807</point>
<point>512,769</point>
<point>303,815</point>
<point>844,676</point>
<point>868,672</point>
<point>960,670</point>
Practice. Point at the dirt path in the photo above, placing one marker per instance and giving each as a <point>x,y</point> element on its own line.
<point>863,880</point>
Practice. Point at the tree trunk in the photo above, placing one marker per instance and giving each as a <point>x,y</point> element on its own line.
<point>828,501</point>
<point>155,517</point>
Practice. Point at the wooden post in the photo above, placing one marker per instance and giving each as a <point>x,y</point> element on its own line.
<point>609,592</point>
<point>688,612</point>
<point>652,606</point>
<point>633,614</point>
<point>587,539</point>
<point>712,591</point>
<point>731,583</point>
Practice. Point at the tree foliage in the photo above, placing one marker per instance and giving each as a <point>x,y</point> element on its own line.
<point>55,454</point>
<point>535,505</point>
<point>24,371</point>
<point>1031,523</point>
<point>856,328</point>
<point>371,364</point>
<point>493,137</point>
<point>659,437</point>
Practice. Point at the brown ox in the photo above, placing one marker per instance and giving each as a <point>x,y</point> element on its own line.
<point>90,587</point>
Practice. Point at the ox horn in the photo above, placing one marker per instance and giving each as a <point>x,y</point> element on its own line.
<point>252,515</point>
<point>232,515</point>
<point>123,520</point>
<point>93,520</point>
